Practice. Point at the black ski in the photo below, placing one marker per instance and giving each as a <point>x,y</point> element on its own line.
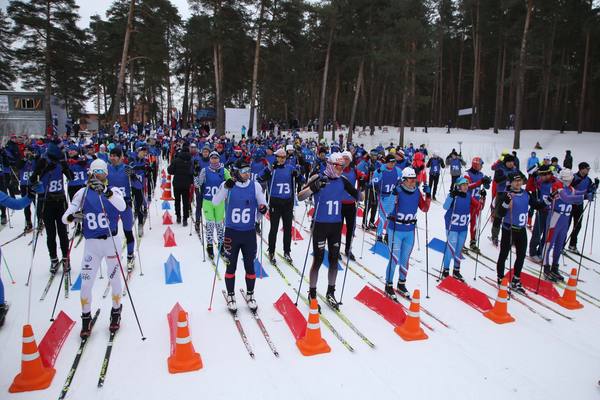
<point>578,254</point>
<point>73,369</point>
<point>106,360</point>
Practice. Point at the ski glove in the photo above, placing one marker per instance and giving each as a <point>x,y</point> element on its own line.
<point>507,200</point>
<point>426,189</point>
<point>454,192</point>
<point>486,180</point>
<point>482,193</point>
<point>35,189</point>
<point>317,184</point>
<point>76,217</point>
<point>262,209</point>
<point>229,183</point>
<point>96,185</point>
<point>128,170</point>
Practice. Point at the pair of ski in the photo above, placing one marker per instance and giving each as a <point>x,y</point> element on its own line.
<point>259,322</point>
<point>19,236</point>
<point>66,277</point>
<point>79,354</point>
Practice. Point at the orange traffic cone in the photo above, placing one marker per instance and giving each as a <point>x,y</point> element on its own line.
<point>167,191</point>
<point>569,298</point>
<point>411,328</point>
<point>184,358</point>
<point>499,314</point>
<point>312,343</point>
<point>33,376</point>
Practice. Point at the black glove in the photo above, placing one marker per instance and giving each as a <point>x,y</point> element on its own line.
<point>454,192</point>
<point>108,193</point>
<point>262,209</point>
<point>372,167</point>
<point>553,195</point>
<point>507,200</point>
<point>128,170</point>
<point>486,180</point>
<point>97,185</point>
<point>77,216</point>
<point>482,192</point>
<point>295,173</point>
<point>317,184</point>
<point>596,182</point>
<point>229,183</point>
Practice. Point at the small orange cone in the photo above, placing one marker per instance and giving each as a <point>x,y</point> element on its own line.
<point>499,314</point>
<point>167,191</point>
<point>411,328</point>
<point>569,298</point>
<point>312,343</point>
<point>33,376</point>
<point>184,358</point>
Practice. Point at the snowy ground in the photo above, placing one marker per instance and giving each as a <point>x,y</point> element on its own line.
<point>474,359</point>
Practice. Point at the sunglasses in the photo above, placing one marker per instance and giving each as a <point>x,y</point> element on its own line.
<point>281,156</point>
<point>98,171</point>
<point>245,170</point>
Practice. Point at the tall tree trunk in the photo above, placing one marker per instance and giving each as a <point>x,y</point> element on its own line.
<point>359,80</point>
<point>186,87</point>
<point>47,69</point>
<point>583,82</point>
<point>382,102</point>
<point>131,95</point>
<point>117,102</point>
<point>413,86</point>
<point>547,75</point>
<point>440,86</point>
<point>220,129</point>
<point>371,105</point>
<point>500,86</point>
<point>460,77</point>
<point>521,78</point>
<point>335,104</point>
<point>255,69</point>
<point>324,82</point>
<point>476,72</point>
<point>403,104</point>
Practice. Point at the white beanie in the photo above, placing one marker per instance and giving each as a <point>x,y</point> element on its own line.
<point>98,164</point>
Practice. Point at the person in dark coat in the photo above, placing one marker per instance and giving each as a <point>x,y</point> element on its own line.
<point>182,172</point>
<point>568,163</point>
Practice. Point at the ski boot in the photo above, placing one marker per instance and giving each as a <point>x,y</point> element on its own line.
<point>209,251</point>
<point>185,222</point>
<point>3,220</point>
<point>548,275</point>
<point>197,226</point>
<point>288,258</point>
<point>231,305</point>
<point>494,242</point>
<point>140,229</point>
<point>178,220</point>
<point>330,297</point>
<point>28,227</point>
<point>473,246</point>
<point>3,312</point>
<point>350,255</point>
<point>456,275</point>
<point>554,271</point>
<point>115,318</point>
<point>66,265</point>
<point>385,238</point>
<point>573,249</point>
<point>271,257</point>
<point>445,273</point>
<point>130,262</point>
<point>401,287</point>
<point>54,263</point>
<point>389,291</point>
<point>379,239</point>
<point>536,259</point>
<point>372,226</point>
<point>515,285</point>
<point>86,325</point>
<point>251,301</point>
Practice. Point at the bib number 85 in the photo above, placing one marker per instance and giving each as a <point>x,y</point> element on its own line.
<point>240,215</point>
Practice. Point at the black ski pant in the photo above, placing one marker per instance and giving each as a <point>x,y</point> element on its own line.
<point>576,217</point>
<point>281,209</point>
<point>139,204</point>
<point>497,218</point>
<point>518,237</point>
<point>182,197</point>
<point>53,210</point>
<point>371,206</point>
<point>349,216</point>
<point>434,179</point>
<point>234,242</point>
<point>330,233</point>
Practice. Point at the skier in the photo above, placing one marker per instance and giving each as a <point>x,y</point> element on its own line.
<point>455,162</point>
<point>97,207</point>
<point>581,182</point>
<point>137,161</point>
<point>542,189</point>
<point>501,172</point>
<point>119,176</point>
<point>402,222</point>
<point>458,205</point>
<point>244,198</point>
<point>513,214</point>
<point>208,182</point>
<point>50,170</point>
<point>328,190</point>
<point>350,172</point>
<point>25,166</point>
<point>16,204</point>
<point>181,169</point>
<point>279,178</point>
<point>78,166</point>
<point>478,183</point>
<point>384,180</point>
<point>435,165</point>
<point>559,222</point>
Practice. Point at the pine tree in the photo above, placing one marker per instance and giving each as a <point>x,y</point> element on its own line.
<point>7,72</point>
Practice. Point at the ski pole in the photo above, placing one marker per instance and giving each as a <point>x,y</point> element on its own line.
<point>33,248</point>
<point>121,268</point>
<point>365,210</point>
<point>12,280</point>
<point>446,244</point>
<point>546,243</point>
<point>583,244</point>
<point>593,224</point>
<point>351,239</point>
<point>312,230</point>
<point>478,237</point>
<point>212,292</point>
<point>202,235</point>
<point>427,255</point>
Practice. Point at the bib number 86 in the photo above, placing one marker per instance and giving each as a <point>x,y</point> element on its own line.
<point>95,221</point>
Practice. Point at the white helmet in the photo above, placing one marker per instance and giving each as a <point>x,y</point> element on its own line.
<point>289,147</point>
<point>566,175</point>
<point>347,154</point>
<point>98,164</point>
<point>335,158</point>
<point>408,172</point>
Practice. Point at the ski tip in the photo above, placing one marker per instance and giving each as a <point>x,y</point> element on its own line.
<point>143,338</point>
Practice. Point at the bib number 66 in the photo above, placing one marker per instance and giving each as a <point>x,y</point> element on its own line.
<point>240,215</point>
